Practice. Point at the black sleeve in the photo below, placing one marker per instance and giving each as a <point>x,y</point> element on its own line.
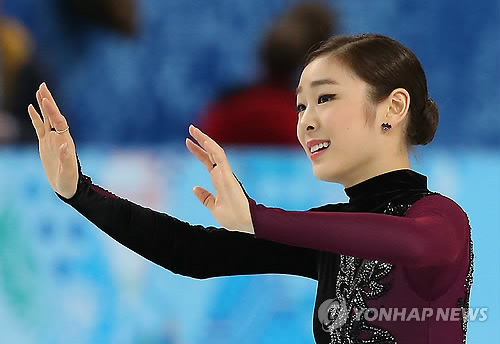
<point>189,250</point>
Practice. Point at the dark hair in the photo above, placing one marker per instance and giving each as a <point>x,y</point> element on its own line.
<point>300,29</point>
<point>385,65</point>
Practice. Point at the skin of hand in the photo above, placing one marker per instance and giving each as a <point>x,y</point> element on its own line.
<point>57,150</point>
<point>230,205</point>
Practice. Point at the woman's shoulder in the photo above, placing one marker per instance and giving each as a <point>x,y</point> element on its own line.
<point>438,199</point>
<point>439,204</point>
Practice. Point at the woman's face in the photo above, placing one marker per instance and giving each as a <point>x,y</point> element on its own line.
<point>333,108</point>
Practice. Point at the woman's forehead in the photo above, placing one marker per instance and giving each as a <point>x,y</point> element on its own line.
<point>324,68</point>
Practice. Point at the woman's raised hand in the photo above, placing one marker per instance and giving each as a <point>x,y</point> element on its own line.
<point>57,149</point>
<point>57,152</point>
<point>229,206</point>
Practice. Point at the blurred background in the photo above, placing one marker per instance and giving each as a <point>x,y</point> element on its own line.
<point>131,75</point>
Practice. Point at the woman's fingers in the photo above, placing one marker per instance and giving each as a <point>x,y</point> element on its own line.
<point>46,120</point>
<point>44,90</point>
<point>58,121</point>
<point>50,109</point>
<point>216,155</point>
<point>37,122</point>
<point>215,152</point>
<point>211,153</point>
<point>205,197</point>
<point>44,93</point>
<point>199,153</point>
<point>39,99</point>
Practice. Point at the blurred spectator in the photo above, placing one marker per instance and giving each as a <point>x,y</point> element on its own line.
<point>119,16</point>
<point>20,72</point>
<point>264,113</point>
<point>18,78</point>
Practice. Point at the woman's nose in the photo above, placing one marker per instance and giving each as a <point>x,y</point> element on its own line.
<point>309,121</point>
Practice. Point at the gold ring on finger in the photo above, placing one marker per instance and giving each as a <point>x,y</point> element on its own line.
<point>62,131</point>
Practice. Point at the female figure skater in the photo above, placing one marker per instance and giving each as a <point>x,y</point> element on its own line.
<point>396,248</point>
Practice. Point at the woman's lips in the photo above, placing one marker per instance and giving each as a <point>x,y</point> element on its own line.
<point>317,153</point>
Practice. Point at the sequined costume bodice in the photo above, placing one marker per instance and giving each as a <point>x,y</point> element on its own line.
<point>395,246</point>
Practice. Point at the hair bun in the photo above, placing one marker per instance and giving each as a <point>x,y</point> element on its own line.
<point>426,127</point>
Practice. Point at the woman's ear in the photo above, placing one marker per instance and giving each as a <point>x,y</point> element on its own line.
<point>399,104</point>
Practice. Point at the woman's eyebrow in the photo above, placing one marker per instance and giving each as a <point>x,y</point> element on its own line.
<point>317,83</point>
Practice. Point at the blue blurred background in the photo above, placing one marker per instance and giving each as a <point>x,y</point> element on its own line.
<point>129,101</point>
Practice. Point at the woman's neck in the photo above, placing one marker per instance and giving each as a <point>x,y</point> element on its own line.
<point>382,166</point>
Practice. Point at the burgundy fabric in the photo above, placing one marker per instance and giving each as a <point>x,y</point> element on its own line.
<point>433,233</point>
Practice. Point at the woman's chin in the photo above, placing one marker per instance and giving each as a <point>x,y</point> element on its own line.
<point>325,175</point>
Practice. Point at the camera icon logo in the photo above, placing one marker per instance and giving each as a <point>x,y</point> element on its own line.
<point>332,314</point>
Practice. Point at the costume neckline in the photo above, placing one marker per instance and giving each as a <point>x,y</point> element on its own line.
<point>386,183</point>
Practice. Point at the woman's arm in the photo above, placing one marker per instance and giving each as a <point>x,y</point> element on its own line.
<point>433,232</point>
<point>185,249</point>
<point>195,251</point>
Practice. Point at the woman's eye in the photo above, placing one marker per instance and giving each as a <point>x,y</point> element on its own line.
<point>300,108</point>
<point>325,97</point>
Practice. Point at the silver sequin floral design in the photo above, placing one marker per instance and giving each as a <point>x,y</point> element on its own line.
<point>357,281</point>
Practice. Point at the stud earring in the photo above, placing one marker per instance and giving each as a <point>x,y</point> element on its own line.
<point>386,126</point>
